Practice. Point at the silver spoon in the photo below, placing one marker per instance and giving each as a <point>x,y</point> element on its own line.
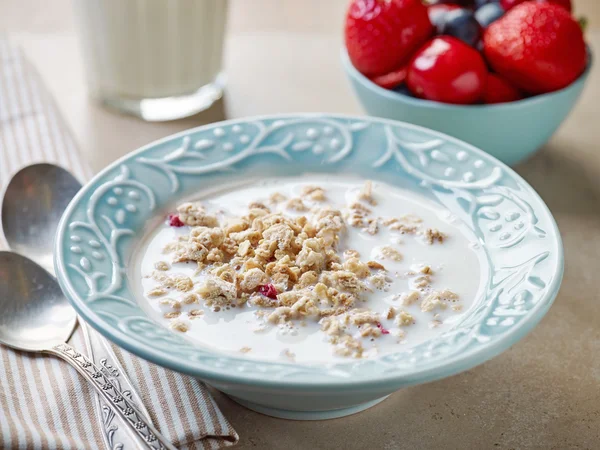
<point>36,317</point>
<point>33,204</point>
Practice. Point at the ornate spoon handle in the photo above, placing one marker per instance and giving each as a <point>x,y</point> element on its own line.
<point>116,433</point>
<point>113,397</point>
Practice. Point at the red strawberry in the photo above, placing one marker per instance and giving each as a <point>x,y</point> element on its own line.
<point>447,70</point>
<point>564,3</point>
<point>392,79</point>
<point>498,90</point>
<point>382,35</point>
<point>508,4</point>
<point>537,47</point>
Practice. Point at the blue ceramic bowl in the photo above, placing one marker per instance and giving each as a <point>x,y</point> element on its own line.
<point>510,132</point>
<point>519,247</point>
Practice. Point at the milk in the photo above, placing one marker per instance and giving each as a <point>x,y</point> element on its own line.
<point>454,262</point>
<point>149,49</point>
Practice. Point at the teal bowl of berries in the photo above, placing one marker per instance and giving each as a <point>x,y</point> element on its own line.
<point>499,74</point>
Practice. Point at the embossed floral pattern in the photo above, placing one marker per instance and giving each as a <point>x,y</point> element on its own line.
<point>279,137</point>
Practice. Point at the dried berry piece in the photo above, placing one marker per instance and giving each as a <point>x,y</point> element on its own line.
<point>383,330</point>
<point>175,221</point>
<point>268,290</point>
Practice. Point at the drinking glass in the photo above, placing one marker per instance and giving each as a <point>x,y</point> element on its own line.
<point>157,59</point>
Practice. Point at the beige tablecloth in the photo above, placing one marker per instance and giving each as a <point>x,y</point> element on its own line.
<point>43,402</point>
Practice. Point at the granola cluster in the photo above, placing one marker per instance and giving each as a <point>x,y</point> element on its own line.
<point>360,216</point>
<point>290,266</point>
<point>298,257</point>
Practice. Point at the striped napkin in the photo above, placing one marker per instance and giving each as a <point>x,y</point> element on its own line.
<point>43,402</point>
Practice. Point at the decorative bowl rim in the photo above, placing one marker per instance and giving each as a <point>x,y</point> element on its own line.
<point>464,361</point>
<point>353,72</point>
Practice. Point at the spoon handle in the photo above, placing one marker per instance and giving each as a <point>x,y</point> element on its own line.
<point>114,398</point>
<point>116,433</point>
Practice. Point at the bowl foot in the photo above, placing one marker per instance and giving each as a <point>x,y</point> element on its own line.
<point>307,415</point>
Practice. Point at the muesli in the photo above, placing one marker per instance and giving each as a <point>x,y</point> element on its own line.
<point>307,270</point>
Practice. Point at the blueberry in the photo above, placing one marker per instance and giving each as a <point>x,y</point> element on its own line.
<point>461,24</point>
<point>488,14</point>
<point>403,89</point>
<point>480,3</point>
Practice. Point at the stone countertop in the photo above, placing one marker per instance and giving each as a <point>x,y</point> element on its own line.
<point>284,57</point>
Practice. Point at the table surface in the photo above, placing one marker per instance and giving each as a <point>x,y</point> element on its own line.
<point>282,56</point>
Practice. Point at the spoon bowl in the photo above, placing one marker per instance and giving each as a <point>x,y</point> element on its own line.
<point>36,317</point>
<point>34,202</point>
<point>34,313</point>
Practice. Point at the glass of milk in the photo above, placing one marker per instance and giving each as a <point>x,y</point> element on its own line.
<point>157,59</point>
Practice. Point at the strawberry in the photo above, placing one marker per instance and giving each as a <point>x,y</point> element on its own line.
<point>498,90</point>
<point>537,47</point>
<point>508,4</point>
<point>381,35</point>
<point>392,79</point>
<point>447,70</point>
<point>564,3</point>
